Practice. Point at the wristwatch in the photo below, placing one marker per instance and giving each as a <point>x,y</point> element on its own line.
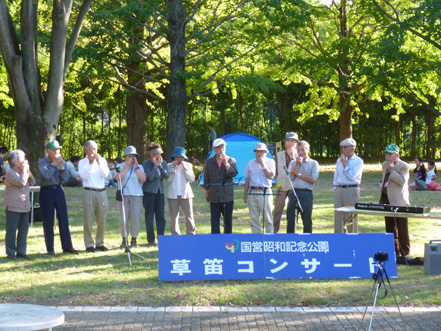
<point>263,168</point>
<point>299,175</point>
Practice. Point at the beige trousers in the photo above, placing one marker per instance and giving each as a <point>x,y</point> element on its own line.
<point>345,197</point>
<point>259,205</point>
<point>95,206</point>
<point>279,205</point>
<point>187,208</point>
<point>132,211</point>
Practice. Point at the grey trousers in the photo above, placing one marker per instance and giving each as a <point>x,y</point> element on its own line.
<point>16,242</point>
<point>95,205</point>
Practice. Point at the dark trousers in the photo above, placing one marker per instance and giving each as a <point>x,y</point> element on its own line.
<point>399,226</point>
<point>16,242</point>
<point>51,200</point>
<point>216,209</point>
<point>306,198</point>
<point>154,206</point>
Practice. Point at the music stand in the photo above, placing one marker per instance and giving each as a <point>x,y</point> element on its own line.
<point>123,212</point>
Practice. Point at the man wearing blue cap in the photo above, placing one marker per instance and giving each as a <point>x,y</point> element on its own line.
<point>395,191</point>
<point>54,173</point>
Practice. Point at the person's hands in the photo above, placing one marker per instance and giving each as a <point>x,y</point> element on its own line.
<point>260,161</point>
<point>157,160</point>
<point>60,162</point>
<point>207,196</point>
<point>295,171</point>
<point>390,166</point>
<point>344,160</point>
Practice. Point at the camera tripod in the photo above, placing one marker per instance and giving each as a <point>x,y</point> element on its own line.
<point>378,282</point>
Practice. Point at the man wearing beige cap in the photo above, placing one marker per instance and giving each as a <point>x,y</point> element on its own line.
<point>347,179</point>
<point>283,159</point>
<point>257,193</point>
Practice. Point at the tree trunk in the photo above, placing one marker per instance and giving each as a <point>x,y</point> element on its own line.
<point>37,119</point>
<point>414,131</point>
<point>430,138</point>
<point>177,98</point>
<point>136,118</point>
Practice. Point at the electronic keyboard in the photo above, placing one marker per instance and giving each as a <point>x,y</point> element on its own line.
<point>392,208</point>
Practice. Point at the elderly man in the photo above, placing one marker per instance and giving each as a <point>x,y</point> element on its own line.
<point>395,191</point>
<point>219,173</point>
<point>53,173</point>
<point>259,174</point>
<point>283,159</point>
<point>347,179</point>
<point>305,172</point>
<point>93,170</point>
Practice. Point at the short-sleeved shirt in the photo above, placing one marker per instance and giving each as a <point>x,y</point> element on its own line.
<point>131,183</point>
<point>309,167</point>
<point>257,176</point>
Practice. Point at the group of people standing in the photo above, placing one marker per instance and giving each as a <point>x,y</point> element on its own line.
<point>142,184</point>
<point>139,184</point>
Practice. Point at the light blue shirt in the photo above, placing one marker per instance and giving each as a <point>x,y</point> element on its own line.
<point>351,174</point>
<point>133,186</point>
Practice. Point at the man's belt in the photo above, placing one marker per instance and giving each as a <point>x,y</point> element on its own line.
<point>94,189</point>
<point>350,185</point>
<point>301,189</point>
<point>51,187</point>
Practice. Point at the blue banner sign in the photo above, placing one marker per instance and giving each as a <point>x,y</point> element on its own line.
<point>285,256</point>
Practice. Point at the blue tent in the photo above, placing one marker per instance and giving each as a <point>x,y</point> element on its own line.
<point>241,147</point>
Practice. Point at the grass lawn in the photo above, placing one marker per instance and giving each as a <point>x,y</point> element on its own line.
<point>89,279</point>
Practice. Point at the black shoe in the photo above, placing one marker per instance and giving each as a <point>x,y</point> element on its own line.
<point>71,251</point>
<point>123,244</point>
<point>50,253</point>
<point>24,256</point>
<point>101,248</point>
<point>90,250</point>
<point>133,243</point>
<point>12,257</point>
<point>152,245</point>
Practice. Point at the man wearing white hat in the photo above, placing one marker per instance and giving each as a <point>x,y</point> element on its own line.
<point>283,159</point>
<point>219,173</point>
<point>347,179</point>
<point>259,174</point>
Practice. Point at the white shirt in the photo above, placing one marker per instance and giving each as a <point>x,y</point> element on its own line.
<point>93,175</point>
<point>429,175</point>
<point>351,174</point>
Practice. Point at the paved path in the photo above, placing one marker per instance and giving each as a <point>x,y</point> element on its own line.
<point>247,318</point>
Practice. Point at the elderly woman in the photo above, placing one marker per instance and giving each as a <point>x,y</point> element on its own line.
<point>156,170</point>
<point>130,181</point>
<point>179,192</point>
<point>17,204</point>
